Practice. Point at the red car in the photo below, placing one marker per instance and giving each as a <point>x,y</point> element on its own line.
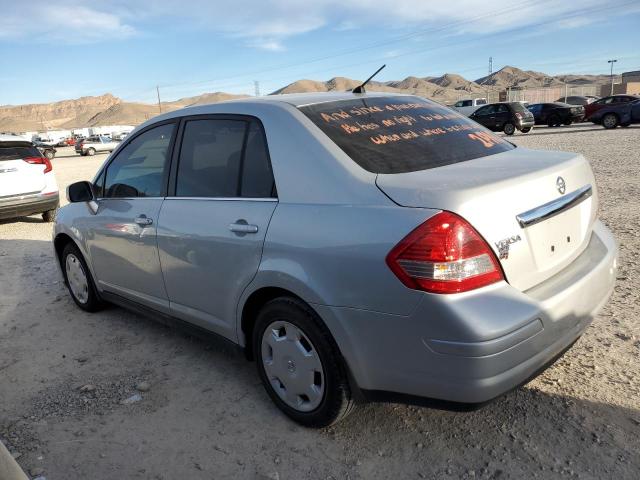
<point>592,108</point>
<point>71,141</point>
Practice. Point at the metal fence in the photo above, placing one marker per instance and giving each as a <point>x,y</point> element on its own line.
<point>533,95</point>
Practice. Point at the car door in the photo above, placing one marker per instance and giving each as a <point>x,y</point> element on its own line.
<point>502,115</point>
<point>483,116</point>
<point>213,224</point>
<point>121,236</point>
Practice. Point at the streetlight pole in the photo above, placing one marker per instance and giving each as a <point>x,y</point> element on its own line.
<point>612,62</point>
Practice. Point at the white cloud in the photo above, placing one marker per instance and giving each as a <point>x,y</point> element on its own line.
<point>268,24</point>
<point>61,22</point>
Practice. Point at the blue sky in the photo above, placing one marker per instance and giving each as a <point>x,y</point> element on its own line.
<point>58,49</point>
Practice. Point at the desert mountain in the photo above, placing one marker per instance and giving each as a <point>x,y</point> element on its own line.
<point>110,110</point>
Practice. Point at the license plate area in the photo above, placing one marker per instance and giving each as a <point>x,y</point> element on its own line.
<point>557,239</point>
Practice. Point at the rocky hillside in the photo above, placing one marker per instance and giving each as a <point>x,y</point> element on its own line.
<point>108,109</point>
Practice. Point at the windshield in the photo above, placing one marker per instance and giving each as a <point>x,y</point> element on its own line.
<point>402,134</point>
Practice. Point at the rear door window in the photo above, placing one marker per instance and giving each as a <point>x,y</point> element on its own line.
<point>210,158</point>
<point>402,134</point>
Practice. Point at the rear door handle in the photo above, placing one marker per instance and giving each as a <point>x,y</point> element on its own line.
<point>143,220</point>
<point>243,227</point>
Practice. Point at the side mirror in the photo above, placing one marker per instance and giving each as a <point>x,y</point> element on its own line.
<point>80,192</point>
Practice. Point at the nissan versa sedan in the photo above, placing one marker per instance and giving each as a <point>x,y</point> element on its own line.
<point>356,246</point>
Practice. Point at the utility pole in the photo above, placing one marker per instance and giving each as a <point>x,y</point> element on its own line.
<point>612,61</point>
<point>256,86</point>
<point>159,104</point>
<point>490,72</point>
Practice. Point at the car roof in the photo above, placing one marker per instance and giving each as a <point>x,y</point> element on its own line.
<point>311,98</point>
<point>10,137</point>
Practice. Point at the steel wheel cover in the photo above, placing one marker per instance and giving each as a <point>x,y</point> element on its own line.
<point>292,366</point>
<point>77,279</point>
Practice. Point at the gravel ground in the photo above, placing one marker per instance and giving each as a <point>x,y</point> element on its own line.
<point>114,395</point>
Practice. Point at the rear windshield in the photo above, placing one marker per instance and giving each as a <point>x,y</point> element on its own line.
<point>17,151</point>
<point>518,107</point>
<point>402,134</point>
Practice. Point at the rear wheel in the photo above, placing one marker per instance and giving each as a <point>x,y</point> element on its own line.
<point>610,120</point>
<point>91,152</point>
<point>50,215</point>
<point>78,279</point>
<point>49,154</point>
<point>300,365</point>
<point>509,128</point>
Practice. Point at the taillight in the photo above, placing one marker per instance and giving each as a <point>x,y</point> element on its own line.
<point>444,255</point>
<point>40,161</point>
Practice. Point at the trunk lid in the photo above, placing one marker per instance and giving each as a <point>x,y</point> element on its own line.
<point>492,192</point>
<point>18,177</point>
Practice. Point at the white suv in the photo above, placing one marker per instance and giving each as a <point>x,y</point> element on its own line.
<point>27,182</point>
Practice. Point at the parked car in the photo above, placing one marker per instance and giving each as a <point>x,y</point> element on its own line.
<point>504,117</point>
<point>592,108</point>
<point>27,182</point>
<point>577,100</point>
<point>556,114</point>
<point>431,260</point>
<point>70,141</point>
<point>44,141</point>
<point>467,107</point>
<point>91,145</point>
<point>623,114</point>
<point>47,151</point>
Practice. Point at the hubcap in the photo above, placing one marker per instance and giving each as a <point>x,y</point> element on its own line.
<point>77,279</point>
<point>609,120</point>
<point>292,366</point>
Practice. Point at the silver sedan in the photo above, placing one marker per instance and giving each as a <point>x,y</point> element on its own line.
<point>356,246</point>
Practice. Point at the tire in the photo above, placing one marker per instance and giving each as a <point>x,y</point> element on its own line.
<point>91,152</point>
<point>509,128</point>
<point>50,215</point>
<point>553,121</point>
<point>610,120</point>
<point>526,130</point>
<point>75,272</point>
<point>287,330</point>
<point>49,154</point>
<point>568,122</point>
<point>625,125</point>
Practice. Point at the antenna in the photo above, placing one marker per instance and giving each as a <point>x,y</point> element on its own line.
<point>360,88</point>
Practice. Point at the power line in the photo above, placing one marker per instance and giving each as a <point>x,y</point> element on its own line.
<point>421,50</point>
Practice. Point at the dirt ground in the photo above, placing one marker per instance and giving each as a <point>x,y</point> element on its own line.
<point>203,413</point>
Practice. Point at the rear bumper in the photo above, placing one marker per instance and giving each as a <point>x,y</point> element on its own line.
<point>470,348</point>
<point>23,205</point>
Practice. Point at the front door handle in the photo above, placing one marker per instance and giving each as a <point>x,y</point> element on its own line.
<point>243,227</point>
<point>143,220</point>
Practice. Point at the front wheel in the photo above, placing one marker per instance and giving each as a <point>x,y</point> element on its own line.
<point>49,154</point>
<point>78,279</point>
<point>526,130</point>
<point>568,122</point>
<point>300,365</point>
<point>509,128</point>
<point>610,120</point>
<point>553,121</point>
<point>91,152</point>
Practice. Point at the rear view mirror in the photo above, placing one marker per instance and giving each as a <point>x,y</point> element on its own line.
<point>80,192</point>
